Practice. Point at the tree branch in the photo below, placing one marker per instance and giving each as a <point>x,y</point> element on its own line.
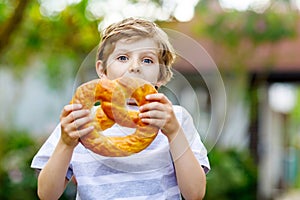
<point>12,24</point>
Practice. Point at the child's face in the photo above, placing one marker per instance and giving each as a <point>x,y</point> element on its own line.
<point>133,58</point>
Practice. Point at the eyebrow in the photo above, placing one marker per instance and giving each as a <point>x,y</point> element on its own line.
<point>145,51</point>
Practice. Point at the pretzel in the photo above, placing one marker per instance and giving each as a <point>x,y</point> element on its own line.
<point>113,95</point>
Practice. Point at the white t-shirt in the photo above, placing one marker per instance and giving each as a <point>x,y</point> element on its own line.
<point>146,175</point>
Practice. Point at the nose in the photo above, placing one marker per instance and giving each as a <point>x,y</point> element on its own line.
<point>134,67</point>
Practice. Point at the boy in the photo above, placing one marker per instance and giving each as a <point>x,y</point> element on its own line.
<point>175,163</point>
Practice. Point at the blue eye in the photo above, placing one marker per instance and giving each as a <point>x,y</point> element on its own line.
<point>122,58</point>
<point>148,61</point>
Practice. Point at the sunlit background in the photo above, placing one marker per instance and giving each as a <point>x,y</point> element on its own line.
<point>251,131</point>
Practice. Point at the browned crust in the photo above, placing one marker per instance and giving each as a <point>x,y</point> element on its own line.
<point>113,94</point>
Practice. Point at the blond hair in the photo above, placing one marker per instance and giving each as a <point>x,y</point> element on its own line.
<point>132,28</point>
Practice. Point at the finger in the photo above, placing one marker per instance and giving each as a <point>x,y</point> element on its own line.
<point>73,129</point>
<point>154,122</point>
<point>79,133</point>
<point>69,108</point>
<point>79,123</point>
<point>158,97</point>
<point>152,106</point>
<point>69,125</point>
<point>153,114</point>
<point>77,114</point>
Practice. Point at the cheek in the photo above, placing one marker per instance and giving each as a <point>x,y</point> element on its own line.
<point>153,73</point>
<point>156,70</point>
<point>115,70</point>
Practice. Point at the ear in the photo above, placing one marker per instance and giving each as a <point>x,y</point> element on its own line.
<point>99,68</point>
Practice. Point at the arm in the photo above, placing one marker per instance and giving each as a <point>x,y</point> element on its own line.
<point>190,175</point>
<point>52,178</point>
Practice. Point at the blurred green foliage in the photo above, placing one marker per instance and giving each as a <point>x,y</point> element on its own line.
<point>295,115</point>
<point>233,175</point>
<point>18,181</point>
<point>60,41</point>
<point>294,141</point>
<point>238,34</point>
<point>231,28</point>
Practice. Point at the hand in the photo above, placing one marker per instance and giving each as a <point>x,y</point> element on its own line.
<point>73,120</point>
<point>159,112</point>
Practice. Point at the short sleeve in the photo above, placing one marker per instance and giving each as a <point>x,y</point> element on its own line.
<point>193,137</point>
<point>45,152</point>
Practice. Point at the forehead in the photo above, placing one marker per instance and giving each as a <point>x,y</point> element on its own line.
<point>144,44</point>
